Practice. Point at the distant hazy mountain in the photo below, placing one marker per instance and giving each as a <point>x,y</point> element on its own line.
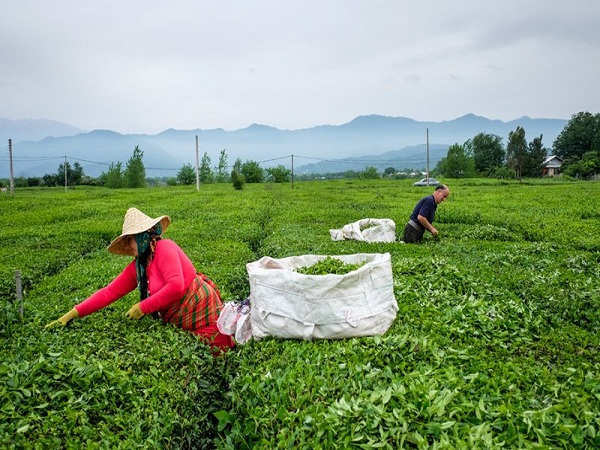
<point>373,140</point>
<point>34,129</point>
<point>412,157</point>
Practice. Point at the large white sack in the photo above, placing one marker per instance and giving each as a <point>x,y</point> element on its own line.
<point>288,304</point>
<point>368,230</point>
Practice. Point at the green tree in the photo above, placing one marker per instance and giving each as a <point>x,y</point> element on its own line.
<point>33,181</point>
<point>205,173</point>
<point>49,180</point>
<point>74,175</point>
<point>135,172</point>
<point>237,178</point>
<point>279,174</point>
<point>533,160</point>
<point>20,182</point>
<point>457,163</point>
<point>237,165</point>
<point>515,151</point>
<point>113,178</point>
<point>487,151</point>
<point>501,172</point>
<point>60,174</point>
<point>252,172</point>
<point>221,169</point>
<point>389,171</point>
<point>587,166</point>
<point>370,173</point>
<point>186,175</point>
<point>579,136</point>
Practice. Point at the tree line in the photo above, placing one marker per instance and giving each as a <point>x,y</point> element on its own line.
<point>578,145</point>
<point>248,171</point>
<point>133,175</point>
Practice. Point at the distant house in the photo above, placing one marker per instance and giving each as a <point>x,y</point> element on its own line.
<point>551,166</point>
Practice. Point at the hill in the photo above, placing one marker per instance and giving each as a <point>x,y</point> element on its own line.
<point>34,129</point>
<point>371,140</point>
<point>411,157</point>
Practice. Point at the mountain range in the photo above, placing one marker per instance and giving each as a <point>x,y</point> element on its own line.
<point>40,146</point>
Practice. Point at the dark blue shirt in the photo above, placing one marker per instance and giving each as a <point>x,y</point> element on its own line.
<point>426,208</point>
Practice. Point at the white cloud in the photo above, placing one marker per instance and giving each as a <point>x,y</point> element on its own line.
<point>144,66</point>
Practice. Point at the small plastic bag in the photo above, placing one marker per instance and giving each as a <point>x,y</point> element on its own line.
<point>228,318</point>
<point>235,320</point>
<point>243,332</point>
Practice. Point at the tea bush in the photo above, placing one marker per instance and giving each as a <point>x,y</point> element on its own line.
<point>495,344</point>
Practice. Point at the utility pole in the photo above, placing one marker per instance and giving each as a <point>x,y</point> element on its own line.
<point>12,177</point>
<point>292,171</point>
<point>197,170</point>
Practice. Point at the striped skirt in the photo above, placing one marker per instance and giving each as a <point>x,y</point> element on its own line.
<point>198,310</point>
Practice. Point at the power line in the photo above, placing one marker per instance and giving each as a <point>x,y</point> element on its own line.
<point>33,158</point>
<point>274,159</point>
<point>371,162</point>
<point>366,161</point>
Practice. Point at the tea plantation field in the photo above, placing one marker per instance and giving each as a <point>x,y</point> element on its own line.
<point>495,344</point>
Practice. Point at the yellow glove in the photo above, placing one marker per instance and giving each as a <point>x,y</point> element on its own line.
<point>135,313</point>
<point>64,320</point>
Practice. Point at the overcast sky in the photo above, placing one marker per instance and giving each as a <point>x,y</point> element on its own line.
<point>142,66</point>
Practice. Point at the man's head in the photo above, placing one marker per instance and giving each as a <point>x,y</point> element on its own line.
<point>441,193</point>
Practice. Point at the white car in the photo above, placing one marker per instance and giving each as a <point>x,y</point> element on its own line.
<point>423,182</point>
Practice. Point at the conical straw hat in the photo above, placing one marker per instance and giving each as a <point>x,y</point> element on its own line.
<point>135,222</point>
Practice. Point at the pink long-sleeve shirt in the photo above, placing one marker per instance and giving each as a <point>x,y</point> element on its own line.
<point>169,274</point>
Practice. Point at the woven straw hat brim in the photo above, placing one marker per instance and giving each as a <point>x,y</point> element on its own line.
<point>135,222</point>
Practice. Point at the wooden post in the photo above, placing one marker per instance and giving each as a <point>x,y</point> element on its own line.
<point>197,164</point>
<point>12,177</point>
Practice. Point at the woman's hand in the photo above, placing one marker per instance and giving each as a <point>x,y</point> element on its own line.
<point>64,320</point>
<point>135,313</point>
